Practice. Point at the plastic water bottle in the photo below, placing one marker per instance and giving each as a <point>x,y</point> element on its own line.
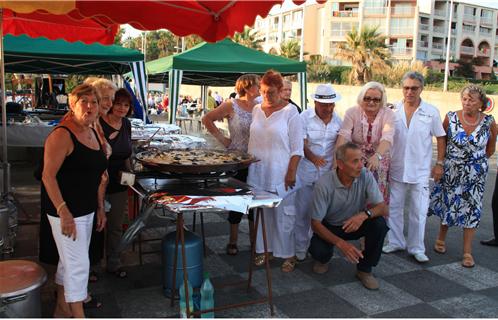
<point>183,303</point>
<point>207,297</point>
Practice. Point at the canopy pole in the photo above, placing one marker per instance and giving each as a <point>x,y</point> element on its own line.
<point>5,163</point>
<point>302,87</point>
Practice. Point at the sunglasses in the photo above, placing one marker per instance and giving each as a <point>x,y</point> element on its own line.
<point>411,88</point>
<point>374,100</point>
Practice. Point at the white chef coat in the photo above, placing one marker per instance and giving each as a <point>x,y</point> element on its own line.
<point>411,153</point>
<point>321,139</point>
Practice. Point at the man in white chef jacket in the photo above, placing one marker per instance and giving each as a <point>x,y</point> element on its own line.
<point>416,123</point>
<point>321,126</point>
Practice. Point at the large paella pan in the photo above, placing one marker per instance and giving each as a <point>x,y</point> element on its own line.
<point>198,161</point>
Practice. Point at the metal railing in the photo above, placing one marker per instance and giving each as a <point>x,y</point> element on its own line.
<point>467,50</point>
<point>423,44</point>
<point>437,46</point>
<point>440,12</point>
<point>468,29</point>
<point>344,14</point>
<point>401,51</point>
<point>487,21</point>
<point>375,11</point>
<point>424,27</point>
<point>439,29</point>
<point>469,18</point>
<point>403,11</point>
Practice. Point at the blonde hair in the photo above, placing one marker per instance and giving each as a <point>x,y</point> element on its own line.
<point>245,82</point>
<point>372,85</point>
<point>79,91</point>
<point>101,84</point>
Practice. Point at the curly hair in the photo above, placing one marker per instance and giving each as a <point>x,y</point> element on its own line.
<point>474,89</point>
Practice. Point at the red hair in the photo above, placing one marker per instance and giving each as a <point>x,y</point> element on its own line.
<point>273,78</point>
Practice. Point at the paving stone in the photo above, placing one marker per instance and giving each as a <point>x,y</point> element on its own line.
<point>476,278</point>
<point>491,292</point>
<point>108,308</point>
<point>283,283</point>
<point>421,310</point>
<point>325,305</point>
<point>145,303</point>
<point>253,311</point>
<point>426,285</point>
<point>471,305</point>
<point>391,264</point>
<point>219,243</point>
<point>387,298</point>
<point>217,267</point>
<point>340,271</point>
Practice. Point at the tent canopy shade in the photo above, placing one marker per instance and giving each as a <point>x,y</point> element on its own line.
<point>219,64</point>
<point>41,55</point>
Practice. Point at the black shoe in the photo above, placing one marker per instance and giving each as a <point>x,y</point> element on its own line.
<point>490,242</point>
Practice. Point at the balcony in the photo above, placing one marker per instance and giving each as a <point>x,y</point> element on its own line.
<point>438,46</point>
<point>403,11</point>
<point>453,32</point>
<point>468,29</point>
<point>423,44</point>
<point>467,50</point>
<point>345,14</point>
<point>406,31</point>
<point>487,21</point>
<point>469,18</point>
<point>375,11</point>
<point>485,32</point>
<point>423,27</point>
<point>395,51</point>
<point>440,12</point>
<point>439,29</point>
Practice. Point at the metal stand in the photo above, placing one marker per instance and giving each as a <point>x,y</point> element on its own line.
<point>180,238</point>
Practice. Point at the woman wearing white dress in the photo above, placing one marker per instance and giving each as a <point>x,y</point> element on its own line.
<point>276,139</point>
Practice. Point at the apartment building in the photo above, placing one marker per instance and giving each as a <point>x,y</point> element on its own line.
<point>414,29</point>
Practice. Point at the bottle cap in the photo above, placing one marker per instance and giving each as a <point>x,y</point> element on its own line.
<point>206,275</point>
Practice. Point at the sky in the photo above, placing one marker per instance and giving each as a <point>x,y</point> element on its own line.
<point>130,31</point>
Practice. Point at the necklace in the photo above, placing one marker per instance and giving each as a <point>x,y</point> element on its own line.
<point>471,124</point>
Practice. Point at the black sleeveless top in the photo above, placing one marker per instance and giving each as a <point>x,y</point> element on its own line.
<point>121,151</point>
<point>78,178</point>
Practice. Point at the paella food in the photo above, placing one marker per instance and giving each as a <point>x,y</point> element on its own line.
<point>194,157</point>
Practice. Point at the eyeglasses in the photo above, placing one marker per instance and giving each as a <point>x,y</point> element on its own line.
<point>370,99</point>
<point>411,88</point>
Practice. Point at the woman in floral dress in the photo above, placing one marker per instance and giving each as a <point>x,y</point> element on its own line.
<point>457,197</point>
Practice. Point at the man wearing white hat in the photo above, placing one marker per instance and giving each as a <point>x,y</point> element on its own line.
<point>321,126</point>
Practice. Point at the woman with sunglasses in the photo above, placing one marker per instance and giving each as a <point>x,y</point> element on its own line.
<point>370,125</point>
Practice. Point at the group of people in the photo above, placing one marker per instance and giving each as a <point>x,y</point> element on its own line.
<point>81,191</point>
<point>348,179</point>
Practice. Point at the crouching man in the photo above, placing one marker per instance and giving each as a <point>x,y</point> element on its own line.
<point>348,205</point>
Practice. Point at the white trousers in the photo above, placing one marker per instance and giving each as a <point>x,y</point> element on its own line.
<point>418,197</point>
<point>279,225</point>
<point>303,233</point>
<point>74,264</point>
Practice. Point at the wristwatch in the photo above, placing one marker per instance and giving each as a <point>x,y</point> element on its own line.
<point>379,156</point>
<point>368,213</point>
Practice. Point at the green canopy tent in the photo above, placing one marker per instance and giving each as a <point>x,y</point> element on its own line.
<point>41,55</point>
<point>218,64</point>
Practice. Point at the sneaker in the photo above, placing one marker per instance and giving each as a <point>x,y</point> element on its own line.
<point>320,268</point>
<point>301,256</point>
<point>389,248</point>
<point>421,257</point>
<point>367,280</point>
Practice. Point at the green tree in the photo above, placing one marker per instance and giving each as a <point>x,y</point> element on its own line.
<point>119,36</point>
<point>464,69</point>
<point>248,38</point>
<point>291,49</point>
<point>191,41</point>
<point>367,52</point>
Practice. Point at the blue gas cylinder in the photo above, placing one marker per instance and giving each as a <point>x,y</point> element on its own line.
<point>193,254</point>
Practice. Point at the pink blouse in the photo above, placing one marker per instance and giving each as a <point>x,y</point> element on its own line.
<point>355,126</point>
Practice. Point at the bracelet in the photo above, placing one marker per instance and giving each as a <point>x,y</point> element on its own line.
<point>440,163</point>
<point>59,207</point>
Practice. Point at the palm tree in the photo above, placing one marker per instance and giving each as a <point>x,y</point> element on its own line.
<point>367,52</point>
<point>290,49</point>
<point>248,38</point>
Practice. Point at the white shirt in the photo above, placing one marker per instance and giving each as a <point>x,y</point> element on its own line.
<point>273,141</point>
<point>321,141</point>
<point>411,153</point>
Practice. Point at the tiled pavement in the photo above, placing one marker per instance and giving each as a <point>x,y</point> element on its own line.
<point>440,288</point>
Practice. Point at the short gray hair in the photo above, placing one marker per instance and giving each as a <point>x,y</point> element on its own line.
<point>375,86</point>
<point>101,84</point>
<point>340,152</point>
<point>474,89</point>
<point>414,76</point>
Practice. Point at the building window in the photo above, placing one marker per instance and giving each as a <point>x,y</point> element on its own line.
<point>375,3</point>
<point>471,11</point>
<point>380,23</point>
<point>340,29</point>
<point>287,21</point>
<point>401,26</point>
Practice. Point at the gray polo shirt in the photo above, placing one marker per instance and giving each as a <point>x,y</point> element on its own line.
<point>335,203</point>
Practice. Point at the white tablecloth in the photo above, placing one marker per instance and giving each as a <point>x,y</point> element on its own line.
<point>26,135</point>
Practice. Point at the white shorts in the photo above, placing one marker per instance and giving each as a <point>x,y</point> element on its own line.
<point>74,264</point>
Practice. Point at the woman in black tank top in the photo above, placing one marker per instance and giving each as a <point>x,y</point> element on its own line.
<point>72,192</point>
